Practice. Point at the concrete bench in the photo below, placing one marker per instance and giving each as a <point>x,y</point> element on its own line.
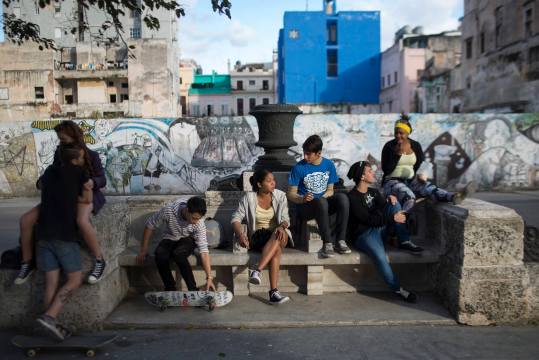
<point>474,261</point>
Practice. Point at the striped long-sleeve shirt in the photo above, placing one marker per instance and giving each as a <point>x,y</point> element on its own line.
<point>177,227</point>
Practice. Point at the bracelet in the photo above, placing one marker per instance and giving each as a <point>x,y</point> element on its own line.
<point>209,277</point>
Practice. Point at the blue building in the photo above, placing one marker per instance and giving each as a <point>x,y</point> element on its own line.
<point>329,57</point>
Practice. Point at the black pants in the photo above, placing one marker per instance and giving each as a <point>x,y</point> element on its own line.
<point>320,209</point>
<point>179,251</point>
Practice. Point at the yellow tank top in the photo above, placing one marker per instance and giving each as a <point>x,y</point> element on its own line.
<point>405,167</point>
<point>265,219</point>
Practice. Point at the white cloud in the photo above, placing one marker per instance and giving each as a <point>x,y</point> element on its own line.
<point>434,15</point>
<point>240,35</point>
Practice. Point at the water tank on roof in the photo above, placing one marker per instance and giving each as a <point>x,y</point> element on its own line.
<point>418,30</point>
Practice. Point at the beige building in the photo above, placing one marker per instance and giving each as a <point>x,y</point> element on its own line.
<point>86,77</point>
<point>404,62</point>
<point>500,62</point>
<point>188,69</point>
<point>252,85</point>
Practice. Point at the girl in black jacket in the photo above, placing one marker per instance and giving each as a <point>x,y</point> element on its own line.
<point>371,216</point>
<point>401,159</point>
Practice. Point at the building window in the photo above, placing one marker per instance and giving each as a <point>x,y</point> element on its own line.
<point>528,22</point>
<point>134,33</point>
<point>265,101</point>
<point>239,104</point>
<point>533,55</point>
<point>4,93</point>
<point>110,83</point>
<point>112,98</point>
<point>330,7</point>
<point>390,105</point>
<point>57,33</point>
<point>332,69</point>
<point>181,81</point>
<point>124,97</point>
<point>498,18</point>
<point>124,85</point>
<point>252,83</point>
<point>196,110</point>
<point>383,82</point>
<point>331,27</point>
<point>469,43</point>
<point>395,77</point>
<point>239,85</point>
<point>209,110</point>
<point>68,99</point>
<point>252,104</point>
<point>388,80</point>
<point>482,43</point>
<point>39,93</point>
<point>37,7</point>
<point>224,109</point>
<point>265,85</point>
<point>57,9</point>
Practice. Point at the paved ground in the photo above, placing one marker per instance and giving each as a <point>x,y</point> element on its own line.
<point>362,342</point>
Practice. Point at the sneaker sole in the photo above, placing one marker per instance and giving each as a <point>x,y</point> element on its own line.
<point>254,281</point>
<point>342,252</point>
<point>93,280</point>
<point>20,281</point>
<point>327,256</point>
<point>286,299</point>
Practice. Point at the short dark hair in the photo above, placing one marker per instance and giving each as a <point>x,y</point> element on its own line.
<point>313,144</point>
<point>258,177</point>
<point>69,152</point>
<point>196,205</point>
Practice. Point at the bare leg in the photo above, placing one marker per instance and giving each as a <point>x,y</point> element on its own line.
<point>274,267</point>
<point>74,280</point>
<point>27,222</point>
<point>268,252</point>
<point>52,279</point>
<point>84,211</point>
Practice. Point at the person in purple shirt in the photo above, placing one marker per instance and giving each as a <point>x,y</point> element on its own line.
<point>310,187</point>
<point>69,132</point>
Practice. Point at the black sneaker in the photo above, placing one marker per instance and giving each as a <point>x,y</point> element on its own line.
<point>27,268</point>
<point>411,248</point>
<point>275,297</point>
<point>407,296</point>
<point>342,247</point>
<point>97,272</point>
<point>48,323</point>
<point>327,251</point>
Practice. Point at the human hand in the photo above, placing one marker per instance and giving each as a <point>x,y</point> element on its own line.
<point>141,257</point>
<point>400,217</point>
<point>244,242</point>
<point>209,284</point>
<point>422,178</point>
<point>308,197</point>
<point>89,185</point>
<point>392,199</point>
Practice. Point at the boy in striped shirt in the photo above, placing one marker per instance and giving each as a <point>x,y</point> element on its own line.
<point>185,230</point>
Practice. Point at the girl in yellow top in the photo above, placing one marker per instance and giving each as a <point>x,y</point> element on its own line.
<point>265,210</point>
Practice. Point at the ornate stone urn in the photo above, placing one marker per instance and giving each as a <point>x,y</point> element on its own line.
<point>275,135</point>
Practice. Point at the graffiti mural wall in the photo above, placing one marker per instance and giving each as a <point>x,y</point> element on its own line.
<point>182,156</point>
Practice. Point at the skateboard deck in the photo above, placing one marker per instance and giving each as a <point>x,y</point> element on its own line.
<point>89,344</point>
<point>164,299</point>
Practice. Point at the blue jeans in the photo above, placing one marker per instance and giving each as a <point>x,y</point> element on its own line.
<point>372,240</point>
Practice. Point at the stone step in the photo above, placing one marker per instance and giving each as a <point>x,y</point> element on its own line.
<point>379,308</point>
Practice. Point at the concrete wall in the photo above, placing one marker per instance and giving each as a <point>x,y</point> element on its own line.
<point>171,156</point>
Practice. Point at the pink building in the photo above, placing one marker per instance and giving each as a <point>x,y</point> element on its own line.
<point>403,63</point>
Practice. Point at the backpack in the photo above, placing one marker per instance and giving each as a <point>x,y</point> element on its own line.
<point>214,233</point>
<point>11,258</point>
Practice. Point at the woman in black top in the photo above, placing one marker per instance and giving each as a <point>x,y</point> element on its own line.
<point>401,159</point>
<point>372,217</point>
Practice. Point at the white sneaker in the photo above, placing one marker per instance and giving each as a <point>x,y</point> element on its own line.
<point>254,277</point>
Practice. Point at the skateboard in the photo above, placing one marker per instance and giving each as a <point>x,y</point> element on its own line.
<point>164,299</point>
<point>89,344</point>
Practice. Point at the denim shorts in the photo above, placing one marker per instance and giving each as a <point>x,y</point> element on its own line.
<point>56,254</point>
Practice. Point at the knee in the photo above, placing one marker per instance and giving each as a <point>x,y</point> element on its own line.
<point>321,203</point>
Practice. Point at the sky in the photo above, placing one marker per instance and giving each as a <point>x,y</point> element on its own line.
<point>251,34</point>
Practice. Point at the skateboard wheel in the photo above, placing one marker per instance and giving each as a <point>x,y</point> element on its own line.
<point>31,353</point>
<point>90,353</point>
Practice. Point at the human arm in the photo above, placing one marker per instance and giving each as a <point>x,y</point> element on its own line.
<point>373,217</point>
<point>292,195</point>
<point>237,217</point>
<point>420,156</point>
<point>244,242</point>
<point>329,191</point>
<point>206,265</point>
<point>86,196</point>
<point>144,246</point>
